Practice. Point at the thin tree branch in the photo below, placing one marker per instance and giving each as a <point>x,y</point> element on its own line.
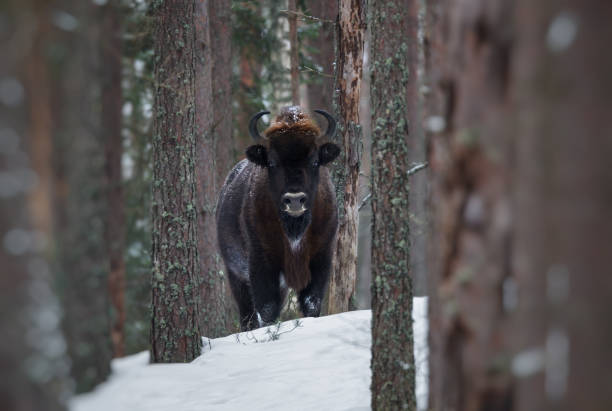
<point>306,16</point>
<point>317,72</point>
<point>364,201</point>
<point>417,168</point>
<point>410,172</point>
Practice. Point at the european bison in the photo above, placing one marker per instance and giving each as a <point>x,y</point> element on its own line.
<point>277,218</point>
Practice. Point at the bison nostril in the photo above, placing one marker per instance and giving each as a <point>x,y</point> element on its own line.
<point>286,201</point>
<point>302,200</point>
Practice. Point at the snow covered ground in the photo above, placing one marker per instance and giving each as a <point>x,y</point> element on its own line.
<point>323,364</point>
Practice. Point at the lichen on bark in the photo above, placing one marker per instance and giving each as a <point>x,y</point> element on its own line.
<point>394,53</point>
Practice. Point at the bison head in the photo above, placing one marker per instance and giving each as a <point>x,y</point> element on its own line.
<point>292,152</point>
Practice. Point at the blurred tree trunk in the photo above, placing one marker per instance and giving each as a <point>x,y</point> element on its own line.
<point>33,376</point>
<point>80,206</point>
<point>247,88</point>
<point>520,158</point>
<point>561,252</point>
<point>321,91</point>
<point>112,103</point>
<point>175,322</point>
<point>470,157</point>
<point>350,35</point>
<point>214,153</point>
<point>294,55</point>
<point>394,91</point>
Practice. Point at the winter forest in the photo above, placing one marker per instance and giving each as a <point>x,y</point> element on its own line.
<point>305,205</point>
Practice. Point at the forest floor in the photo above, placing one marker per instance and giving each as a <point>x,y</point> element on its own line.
<point>313,364</point>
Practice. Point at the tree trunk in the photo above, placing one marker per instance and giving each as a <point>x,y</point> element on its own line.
<point>321,91</point>
<point>470,156</point>
<point>394,91</point>
<point>175,323</point>
<point>111,53</point>
<point>294,58</point>
<point>81,262</point>
<point>214,148</point>
<point>33,376</point>
<point>520,289</point>
<point>349,71</point>
<point>561,253</point>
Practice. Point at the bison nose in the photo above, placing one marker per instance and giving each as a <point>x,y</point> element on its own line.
<point>294,203</point>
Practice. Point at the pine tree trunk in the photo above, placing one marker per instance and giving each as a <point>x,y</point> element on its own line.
<point>470,154</point>
<point>394,91</point>
<point>214,153</point>
<point>321,91</point>
<point>32,376</point>
<point>175,322</point>
<point>111,119</point>
<point>81,211</point>
<point>561,252</point>
<point>349,71</point>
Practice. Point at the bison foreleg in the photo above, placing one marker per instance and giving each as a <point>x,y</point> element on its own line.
<point>265,287</point>
<point>310,297</point>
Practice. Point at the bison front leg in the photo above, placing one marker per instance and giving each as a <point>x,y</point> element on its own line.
<point>265,286</point>
<point>310,297</point>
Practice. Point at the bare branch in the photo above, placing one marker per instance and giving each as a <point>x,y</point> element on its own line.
<point>320,73</point>
<point>364,201</point>
<point>303,16</point>
<point>417,168</point>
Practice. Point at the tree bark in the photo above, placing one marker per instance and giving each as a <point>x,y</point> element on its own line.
<point>175,323</point>
<point>562,204</point>
<point>214,148</point>
<point>345,172</point>
<point>321,91</point>
<point>394,91</point>
<point>294,58</point>
<point>112,102</point>
<point>470,154</point>
<point>81,263</point>
<point>33,377</point>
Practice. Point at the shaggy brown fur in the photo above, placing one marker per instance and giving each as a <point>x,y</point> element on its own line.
<point>258,240</point>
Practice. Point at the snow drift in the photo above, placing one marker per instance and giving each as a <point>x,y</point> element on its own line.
<point>320,364</point>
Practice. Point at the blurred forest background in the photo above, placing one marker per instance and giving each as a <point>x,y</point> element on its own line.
<point>487,121</point>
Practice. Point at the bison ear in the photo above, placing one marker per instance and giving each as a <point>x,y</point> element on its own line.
<point>257,154</point>
<point>328,153</point>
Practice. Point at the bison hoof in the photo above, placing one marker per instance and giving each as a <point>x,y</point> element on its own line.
<point>311,306</point>
<point>268,314</point>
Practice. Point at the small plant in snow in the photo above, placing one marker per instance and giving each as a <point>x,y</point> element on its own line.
<point>273,333</point>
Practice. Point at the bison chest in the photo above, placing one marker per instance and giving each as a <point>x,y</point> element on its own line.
<point>296,259</point>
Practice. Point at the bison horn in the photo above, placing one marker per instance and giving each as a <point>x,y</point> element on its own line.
<point>253,125</point>
<point>331,123</point>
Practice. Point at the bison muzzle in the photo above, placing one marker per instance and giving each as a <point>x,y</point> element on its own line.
<point>277,218</point>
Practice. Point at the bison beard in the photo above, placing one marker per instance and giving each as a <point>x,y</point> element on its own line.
<point>264,247</point>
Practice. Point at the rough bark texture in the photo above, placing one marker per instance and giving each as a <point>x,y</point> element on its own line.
<point>321,89</point>
<point>349,71</point>
<point>111,130</point>
<point>294,57</point>
<point>394,48</point>
<point>561,253</point>
<point>32,376</point>
<point>214,151</point>
<point>175,327</point>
